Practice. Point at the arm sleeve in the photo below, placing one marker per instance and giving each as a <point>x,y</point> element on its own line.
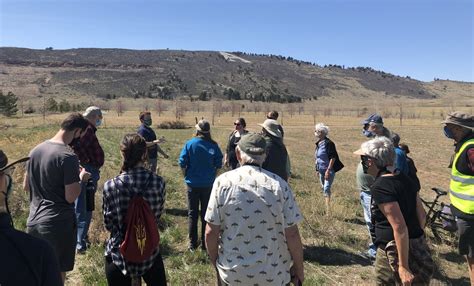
<point>183,157</point>
<point>106,208</point>
<point>161,198</point>
<point>382,195</point>
<point>291,212</point>
<point>71,170</point>
<point>213,211</point>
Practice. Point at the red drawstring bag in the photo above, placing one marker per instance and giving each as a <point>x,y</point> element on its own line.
<point>141,237</point>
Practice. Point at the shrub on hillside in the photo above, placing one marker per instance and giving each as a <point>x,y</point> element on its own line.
<point>172,125</point>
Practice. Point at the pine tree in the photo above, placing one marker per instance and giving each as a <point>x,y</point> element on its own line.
<point>8,105</point>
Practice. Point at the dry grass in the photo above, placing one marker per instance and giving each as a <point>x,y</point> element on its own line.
<point>332,244</point>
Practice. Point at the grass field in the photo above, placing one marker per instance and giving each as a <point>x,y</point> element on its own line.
<point>332,244</point>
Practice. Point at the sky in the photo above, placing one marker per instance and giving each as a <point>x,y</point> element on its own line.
<point>423,39</point>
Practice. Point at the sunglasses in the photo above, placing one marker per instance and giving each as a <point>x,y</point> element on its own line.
<point>365,160</point>
<point>236,124</point>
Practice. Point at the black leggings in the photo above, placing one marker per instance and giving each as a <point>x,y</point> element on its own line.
<point>155,276</point>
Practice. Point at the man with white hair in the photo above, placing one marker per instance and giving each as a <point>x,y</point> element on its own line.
<point>252,236</point>
<point>91,158</point>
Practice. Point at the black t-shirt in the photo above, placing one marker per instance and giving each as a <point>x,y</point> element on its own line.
<point>400,189</point>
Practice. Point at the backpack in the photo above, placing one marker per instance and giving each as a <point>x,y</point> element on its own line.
<point>141,237</point>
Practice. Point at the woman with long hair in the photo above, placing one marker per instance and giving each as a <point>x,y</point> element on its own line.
<point>199,160</point>
<point>230,159</point>
<point>134,179</point>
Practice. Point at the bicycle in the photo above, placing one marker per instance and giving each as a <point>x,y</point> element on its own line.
<point>440,220</point>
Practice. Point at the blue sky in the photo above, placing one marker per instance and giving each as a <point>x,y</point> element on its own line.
<point>420,38</point>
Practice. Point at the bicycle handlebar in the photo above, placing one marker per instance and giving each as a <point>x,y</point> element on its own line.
<point>439,192</point>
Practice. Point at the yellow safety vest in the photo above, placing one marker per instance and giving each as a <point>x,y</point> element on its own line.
<point>461,187</point>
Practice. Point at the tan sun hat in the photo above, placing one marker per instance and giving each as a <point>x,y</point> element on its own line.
<point>461,119</point>
<point>272,126</point>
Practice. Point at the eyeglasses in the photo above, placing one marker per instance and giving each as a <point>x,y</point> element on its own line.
<point>236,123</point>
<point>365,160</point>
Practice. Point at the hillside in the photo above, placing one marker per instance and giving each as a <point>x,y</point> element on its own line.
<point>167,74</point>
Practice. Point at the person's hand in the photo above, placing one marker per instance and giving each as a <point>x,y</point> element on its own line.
<point>158,141</point>
<point>84,175</point>
<point>405,275</point>
<point>297,275</point>
<point>327,174</point>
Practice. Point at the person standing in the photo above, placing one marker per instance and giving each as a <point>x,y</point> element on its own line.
<point>199,160</point>
<point>53,179</point>
<point>327,161</point>
<point>274,115</point>
<point>91,158</point>
<point>277,160</point>
<point>252,233</point>
<point>230,159</point>
<point>375,123</point>
<point>133,180</point>
<point>459,126</point>
<point>403,256</point>
<point>152,143</point>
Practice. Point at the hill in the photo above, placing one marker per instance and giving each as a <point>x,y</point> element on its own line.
<point>168,74</point>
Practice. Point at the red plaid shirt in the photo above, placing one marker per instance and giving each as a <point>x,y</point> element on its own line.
<point>89,150</point>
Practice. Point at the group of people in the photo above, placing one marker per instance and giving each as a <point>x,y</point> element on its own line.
<point>249,214</point>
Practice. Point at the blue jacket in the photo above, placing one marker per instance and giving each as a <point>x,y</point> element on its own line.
<point>201,159</point>
<point>401,160</point>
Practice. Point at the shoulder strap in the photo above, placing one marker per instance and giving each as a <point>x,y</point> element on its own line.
<point>130,190</point>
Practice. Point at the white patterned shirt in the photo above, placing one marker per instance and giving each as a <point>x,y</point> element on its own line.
<point>253,207</point>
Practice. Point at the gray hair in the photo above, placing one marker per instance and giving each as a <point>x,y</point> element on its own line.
<point>92,111</point>
<point>381,150</point>
<point>251,159</point>
<point>321,127</point>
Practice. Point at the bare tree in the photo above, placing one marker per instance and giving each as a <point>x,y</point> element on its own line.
<point>257,107</point>
<point>160,106</point>
<point>120,107</point>
<point>235,108</point>
<point>180,110</point>
<point>290,107</point>
<point>300,108</point>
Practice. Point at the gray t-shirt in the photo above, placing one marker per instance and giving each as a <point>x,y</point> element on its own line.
<point>51,167</point>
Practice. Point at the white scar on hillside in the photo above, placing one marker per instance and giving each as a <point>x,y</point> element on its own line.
<point>232,58</point>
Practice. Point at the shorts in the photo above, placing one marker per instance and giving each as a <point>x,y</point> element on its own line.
<point>61,235</point>
<point>466,237</point>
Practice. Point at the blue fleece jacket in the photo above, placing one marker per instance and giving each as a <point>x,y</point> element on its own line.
<point>201,159</point>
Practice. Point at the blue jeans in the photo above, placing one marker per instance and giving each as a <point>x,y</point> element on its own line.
<point>195,196</point>
<point>326,184</point>
<point>83,216</point>
<point>365,199</point>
